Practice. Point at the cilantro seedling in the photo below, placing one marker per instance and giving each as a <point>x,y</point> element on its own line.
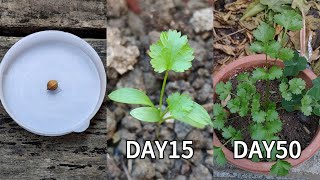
<point>171,52</point>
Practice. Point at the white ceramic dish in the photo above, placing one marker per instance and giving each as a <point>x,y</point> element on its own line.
<point>32,62</point>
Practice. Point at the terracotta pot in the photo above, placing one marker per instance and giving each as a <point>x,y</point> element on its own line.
<point>247,63</point>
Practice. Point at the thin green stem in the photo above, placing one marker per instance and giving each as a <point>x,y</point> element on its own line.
<point>162,90</point>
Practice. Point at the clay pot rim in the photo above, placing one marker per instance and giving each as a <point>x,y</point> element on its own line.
<point>246,164</point>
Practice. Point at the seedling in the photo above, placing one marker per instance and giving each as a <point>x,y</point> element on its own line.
<point>245,101</point>
<point>171,52</point>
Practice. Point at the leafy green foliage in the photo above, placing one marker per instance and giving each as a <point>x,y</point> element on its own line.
<point>274,73</point>
<point>130,96</point>
<point>314,94</point>
<point>259,117</point>
<point>219,156</point>
<point>292,104</point>
<point>280,168</point>
<point>171,52</point>
<point>147,114</point>
<point>306,107</point>
<point>223,89</point>
<point>276,5</point>
<point>295,86</point>
<point>264,32</point>
<point>258,131</point>
<point>266,44</point>
<point>220,116</point>
<point>289,19</point>
<point>262,74</point>
<point>182,108</point>
<point>295,65</point>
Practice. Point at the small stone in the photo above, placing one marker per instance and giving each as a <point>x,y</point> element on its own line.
<point>180,177</point>
<point>125,134</point>
<point>202,20</point>
<point>198,139</point>
<point>112,169</point>
<point>153,36</point>
<point>121,58</point>
<point>133,79</point>
<point>143,169</point>
<point>204,94</point>
<point>200,53</point>
<point>131,124</point>
<point>116,8</point>
<point>185,169</point>
<point>197,157</point>
<point>181,129</point>
<point>200,171</point>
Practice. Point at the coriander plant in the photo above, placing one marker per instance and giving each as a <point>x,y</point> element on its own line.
<point>245,101</point>
<point>171,52</point>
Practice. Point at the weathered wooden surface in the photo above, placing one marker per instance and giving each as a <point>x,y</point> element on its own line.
<point>21,17</point>
<point>24,155</point>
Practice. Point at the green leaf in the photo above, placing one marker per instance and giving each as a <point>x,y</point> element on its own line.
<point>253,8</point>
<point>219,156</point>
<point>147,114</point>
<point>295,65</point>
<point>259,74</point>
<point>179,105</point>
<point>258,132</point>
<point>257,47</point>
<point>218,111</point>
<point>274,126</point>
<point>234,105</point>
<point>287,95</point>
<point>316,82</point>
<point>314,92</point>
<point>259,117</point>
<point>182,108</point>
<point>289,19</point>
<point>297,85</point>
<point>243,77</point>
<point>272,115</point>
<point>236,137</point>
<point>286,54</point>
<point>306,107</point>
<point>255,105</point>
<point>130,96</point>
<point>228,132</point>
<point>274,73</point>
<point>264,32</point>
<point>198,117</point>
<point>283,87</point>
<point>292,104</point>
<point>280,168</point>
<point>273,49</point>
<point>276,5</point>
<point>171,52</point>
<point>218,124</point>
<point>223,89</point>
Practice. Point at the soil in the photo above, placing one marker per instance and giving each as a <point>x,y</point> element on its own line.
<point>295,126</point>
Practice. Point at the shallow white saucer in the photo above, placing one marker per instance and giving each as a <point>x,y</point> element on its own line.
<point>52,55</point>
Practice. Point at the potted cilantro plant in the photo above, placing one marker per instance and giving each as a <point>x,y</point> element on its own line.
<point>271,96</point>
<point>171,52</point>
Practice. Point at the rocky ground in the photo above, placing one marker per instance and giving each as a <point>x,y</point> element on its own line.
<point>129,36</point>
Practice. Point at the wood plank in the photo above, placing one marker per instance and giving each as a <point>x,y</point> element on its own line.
<point>24,155</point>
<point>27,16</point>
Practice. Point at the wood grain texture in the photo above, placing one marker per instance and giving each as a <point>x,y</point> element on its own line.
<point>87,18</point>
<point>24,155</point>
